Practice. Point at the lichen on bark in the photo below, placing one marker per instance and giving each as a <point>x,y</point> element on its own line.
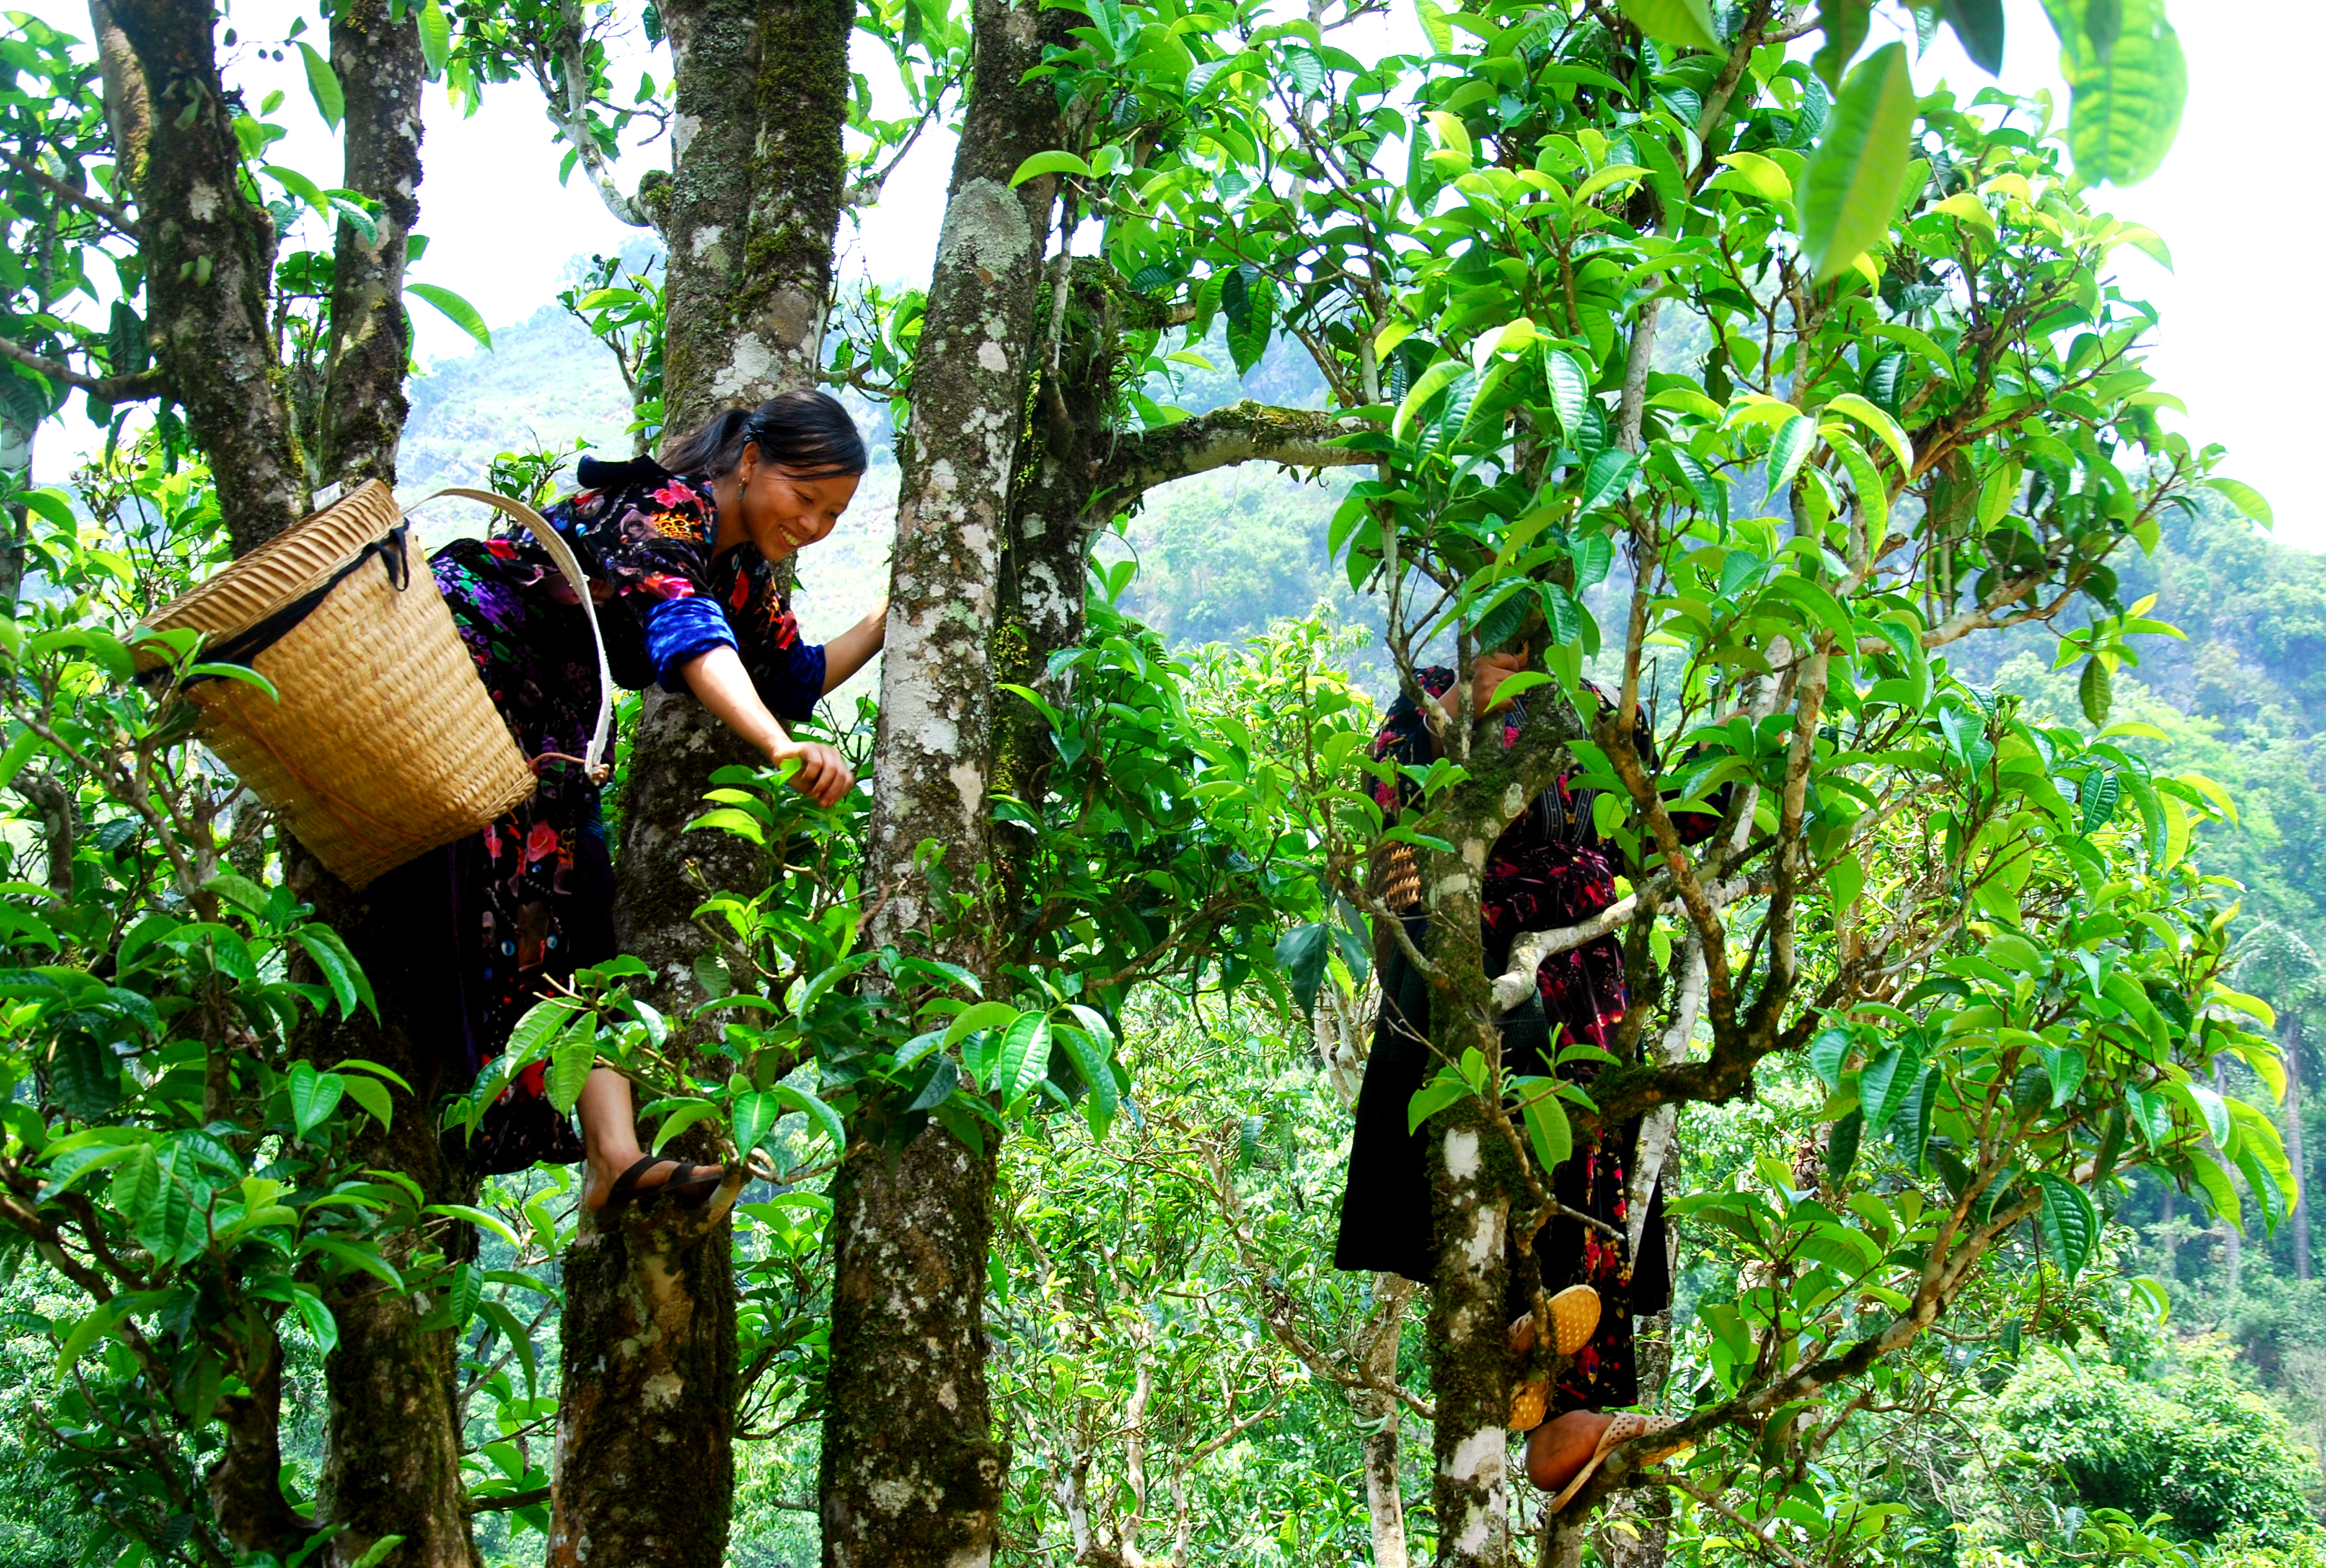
<point>380,69</point>
<point>643,1480</point>
<point>646,1439</point>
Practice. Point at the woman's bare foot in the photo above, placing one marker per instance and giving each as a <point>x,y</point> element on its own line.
<point>1558,1449</point>
<point>610,1135</point>
<point>598,1185</point>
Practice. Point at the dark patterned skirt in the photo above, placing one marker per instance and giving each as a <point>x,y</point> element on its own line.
<point>515,909</point>
<point>1386,1222</point>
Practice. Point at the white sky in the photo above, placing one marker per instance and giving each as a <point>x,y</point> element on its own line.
<point>502,230</point>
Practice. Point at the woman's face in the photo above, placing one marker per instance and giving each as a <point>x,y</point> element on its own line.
<point>780,511</point>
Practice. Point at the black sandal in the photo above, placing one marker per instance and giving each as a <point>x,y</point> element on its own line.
<point>690,1190</point>
<point>683,1185</point>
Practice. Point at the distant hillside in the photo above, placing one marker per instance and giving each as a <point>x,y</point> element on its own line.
<point>544,383</point>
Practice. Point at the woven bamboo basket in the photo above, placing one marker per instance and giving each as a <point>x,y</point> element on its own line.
<point>382,743</point>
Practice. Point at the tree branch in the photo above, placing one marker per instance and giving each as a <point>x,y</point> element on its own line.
<point>119,217</point>
<point>111,388</point>
<point>569,110</point>
<point>1245,432</point>
<point>1530,948</point>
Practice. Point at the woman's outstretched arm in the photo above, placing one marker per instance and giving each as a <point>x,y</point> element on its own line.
<point>719,681</point>
<point>853,649</point>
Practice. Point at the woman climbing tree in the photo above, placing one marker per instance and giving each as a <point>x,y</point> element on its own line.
<point>1548,868</point>
<point>682,555</point>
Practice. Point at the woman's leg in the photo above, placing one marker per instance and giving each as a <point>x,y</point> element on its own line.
<point>610,1131</point>
<point>1558,1449</point>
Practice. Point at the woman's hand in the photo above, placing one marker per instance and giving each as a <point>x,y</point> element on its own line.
<point>723,686</point>
<point>1488,671</point>
<point>824,775</point>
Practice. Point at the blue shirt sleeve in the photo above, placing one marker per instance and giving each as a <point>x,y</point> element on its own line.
<point>678,629</point>
<point>790,681</point>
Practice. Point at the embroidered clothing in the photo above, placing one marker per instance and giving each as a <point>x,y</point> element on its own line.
<point>1548,868</point>
<point>530,898</point>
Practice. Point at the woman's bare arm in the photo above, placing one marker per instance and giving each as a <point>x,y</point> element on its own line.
<point>724,687</point>
<point>853,649</point>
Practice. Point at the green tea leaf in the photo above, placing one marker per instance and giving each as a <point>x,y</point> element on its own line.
<point>1841,1146</point>
<point>314,1095</point>
<point>1682,22</point>
<point>2070,1223</point>
<point>1884,1084</point>
<point>1852,183</point>
<point>459,311</point>
<point>2127,84</point>
<point>323,82</point>
<point>1023,1056</point>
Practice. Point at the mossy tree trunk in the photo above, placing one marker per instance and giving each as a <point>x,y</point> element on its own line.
<point>1471,1181</point>
<point>393,1435</point>
<point>209,254</point>
<point>748,218</point>
<point>912,1471</point>
<point>646,1435</point>
<point>378,57</point>
<point>392,1459</point>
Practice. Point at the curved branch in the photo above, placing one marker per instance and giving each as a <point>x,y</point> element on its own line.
<point>569,109</point>
<point>111,388</point>
<point>117,215</point>
<point>1530,948</point>
<point>1245,432</point>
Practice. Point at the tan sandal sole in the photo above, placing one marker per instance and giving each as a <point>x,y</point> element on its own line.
<point>1528,1405</point>
<point>1574,1317</point>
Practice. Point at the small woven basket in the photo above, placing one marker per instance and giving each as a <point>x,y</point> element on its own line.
<point>1396,878</point>
<point>384,742</point>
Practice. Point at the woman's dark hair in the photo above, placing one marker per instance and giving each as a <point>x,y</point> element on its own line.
<point>808,433</point>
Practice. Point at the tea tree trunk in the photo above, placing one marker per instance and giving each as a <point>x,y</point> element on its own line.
<point>912,1471</point>
<point>209,252</point>
<point>645,1435</point>
<point>748,217</point>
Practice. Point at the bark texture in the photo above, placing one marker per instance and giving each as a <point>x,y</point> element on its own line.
<point>645,1435</point>
<point>749,219</point>
<point>241,1482</point>
<point>391,1457</point>
<point>392,1448</point>
<point>912,1472</point>
<point>209,256</point>
<point>644,1480</point>
<point>380,71</point>
<point>1471,1182</point>
<point>128,112</point>
<point>971,378</point>
<point>1378,1409</point>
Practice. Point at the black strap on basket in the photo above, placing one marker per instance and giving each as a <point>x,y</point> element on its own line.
<point>243,647</point>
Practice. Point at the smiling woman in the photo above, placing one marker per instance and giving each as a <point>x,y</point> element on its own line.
<point>682,557</point>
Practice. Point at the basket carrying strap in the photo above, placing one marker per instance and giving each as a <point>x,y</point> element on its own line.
<point>569,565</point>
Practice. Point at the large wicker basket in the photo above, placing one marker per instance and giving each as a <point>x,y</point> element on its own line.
<point>382,743</point>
